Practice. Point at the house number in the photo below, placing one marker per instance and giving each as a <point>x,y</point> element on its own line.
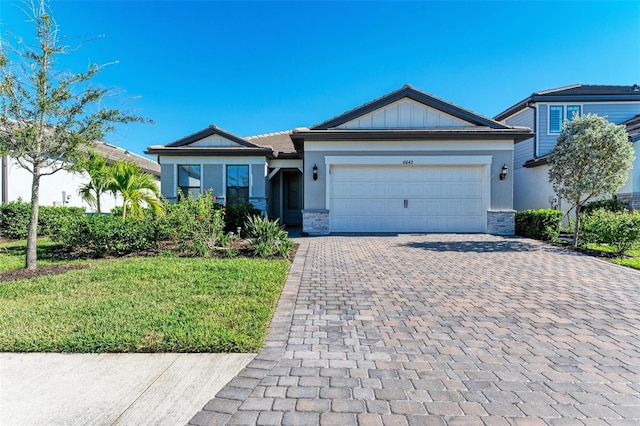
<point>405,162</point>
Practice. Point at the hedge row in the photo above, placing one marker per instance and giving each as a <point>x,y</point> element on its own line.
<point>543,224</point>
<point>14,219</point>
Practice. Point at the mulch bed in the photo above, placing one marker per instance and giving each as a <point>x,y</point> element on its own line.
<point>21,274</point>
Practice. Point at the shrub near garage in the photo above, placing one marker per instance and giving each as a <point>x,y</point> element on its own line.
<point>542,224</point>
<point>620,230</point>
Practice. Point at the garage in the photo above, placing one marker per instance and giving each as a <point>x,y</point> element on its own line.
<point>407,198</point>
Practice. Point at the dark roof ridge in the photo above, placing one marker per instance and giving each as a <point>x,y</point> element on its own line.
<point>212,129</point>
<point>416,95</point>
<point>576,93</point>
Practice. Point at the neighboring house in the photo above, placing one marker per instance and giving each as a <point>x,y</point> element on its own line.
<point>544,112</point>
<point>406,162</point>
<point>61,188</point>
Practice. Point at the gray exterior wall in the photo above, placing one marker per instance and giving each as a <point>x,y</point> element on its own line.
<point>546,142</point>
<point>615,113</point>
<point>168,182</point>
<point>259,181</point>
<point>315,191</point>
<point>212,179</point>
<point>524,150</point>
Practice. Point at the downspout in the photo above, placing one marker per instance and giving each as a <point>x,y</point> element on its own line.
<point>5,180</point>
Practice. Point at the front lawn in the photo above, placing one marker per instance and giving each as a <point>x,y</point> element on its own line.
<point>631,259</point>
<point>140,304</point>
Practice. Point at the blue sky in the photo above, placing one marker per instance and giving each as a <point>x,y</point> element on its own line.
<point>259,67</point>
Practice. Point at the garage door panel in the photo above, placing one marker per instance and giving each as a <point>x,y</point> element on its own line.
<point>439,199</point>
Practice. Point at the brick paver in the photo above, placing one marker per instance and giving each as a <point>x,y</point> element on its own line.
<point>443,329</point>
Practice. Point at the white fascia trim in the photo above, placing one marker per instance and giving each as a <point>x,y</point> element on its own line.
<point>410,160</point>
<point>285,164</point>
<point>384,146</point>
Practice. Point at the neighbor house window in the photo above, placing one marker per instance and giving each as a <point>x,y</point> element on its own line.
<point>559,113</point>
<point>237,184</point>
<point>189,179</point>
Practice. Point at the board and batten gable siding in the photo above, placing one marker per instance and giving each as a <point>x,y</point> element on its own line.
<point>404,114</point>
<point>214,140</point>
<point>546,141</point>
<point>614,112</point>
<point>523,151</point>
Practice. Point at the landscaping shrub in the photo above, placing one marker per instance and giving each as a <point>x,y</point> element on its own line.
<point>267,238</point>
<point>609,205</point>
<point>14,218</point>
<point>103,236</point>
<point>237,214</point>
<point>543,224</point>
<point>195,224</point>
<point>620,230</point>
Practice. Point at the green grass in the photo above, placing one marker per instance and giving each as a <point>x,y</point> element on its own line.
<point>12,254</point>
<point>152,304</point>
<point>631,260</point>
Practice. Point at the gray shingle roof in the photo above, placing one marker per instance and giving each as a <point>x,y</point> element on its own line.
<point>280,142</point>
<point>114,153</point>
<point>575,93</point>
<point>408,91</point>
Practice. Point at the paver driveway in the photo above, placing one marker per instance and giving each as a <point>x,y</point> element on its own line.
<point>435,329</point>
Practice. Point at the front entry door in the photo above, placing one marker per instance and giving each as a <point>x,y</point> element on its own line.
<point>292,197</point>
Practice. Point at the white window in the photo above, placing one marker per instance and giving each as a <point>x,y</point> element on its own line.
<point>559,113</point>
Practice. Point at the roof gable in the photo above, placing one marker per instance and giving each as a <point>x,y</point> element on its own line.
<point>407,107</point>
<point>576,93</point>
<point>212,137</point>
<point>405,114</point>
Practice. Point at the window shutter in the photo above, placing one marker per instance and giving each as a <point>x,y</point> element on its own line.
<point>555,118</point>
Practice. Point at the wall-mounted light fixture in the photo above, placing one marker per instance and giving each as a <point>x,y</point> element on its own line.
<point>503,172</point>
<point>315,172</point>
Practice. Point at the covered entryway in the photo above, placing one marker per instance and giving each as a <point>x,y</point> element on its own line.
<point>286,195</point>
<point>408,198</point>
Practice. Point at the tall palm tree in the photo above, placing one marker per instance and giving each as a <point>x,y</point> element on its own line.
<point>136,187</point>
<point>95,165</point>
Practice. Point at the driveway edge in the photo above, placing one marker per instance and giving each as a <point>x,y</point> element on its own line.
<point>219,410</point>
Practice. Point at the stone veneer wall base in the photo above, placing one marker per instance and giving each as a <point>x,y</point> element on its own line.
<point>501,222</point>
<point>315,222</point>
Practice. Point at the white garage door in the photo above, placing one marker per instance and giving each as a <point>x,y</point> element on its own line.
<point>407,199</point>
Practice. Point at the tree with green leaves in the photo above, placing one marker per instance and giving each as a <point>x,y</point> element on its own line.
<point>95,166</point>
<point>48,114</point>
<point>591,158</point>
<point>137,188</point>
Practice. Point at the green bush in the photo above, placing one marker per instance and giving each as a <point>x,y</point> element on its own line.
<point>195,224</point>
<point>620,230</point>
<point>543,224</point>
<point>237,214</point>
<point>103,236</point>
<point>609,205</point>
<point>267,238</point>
<point>14,218</point>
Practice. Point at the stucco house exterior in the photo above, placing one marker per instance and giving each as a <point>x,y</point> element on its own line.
<point>61,188</point>
<point>544,112</point>
<point>405,162</point>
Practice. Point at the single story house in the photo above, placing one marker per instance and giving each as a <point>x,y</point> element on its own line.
<point>405,162</point>
<point>544,112</point>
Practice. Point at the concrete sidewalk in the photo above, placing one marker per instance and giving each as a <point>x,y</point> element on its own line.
<point>110,389</point>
